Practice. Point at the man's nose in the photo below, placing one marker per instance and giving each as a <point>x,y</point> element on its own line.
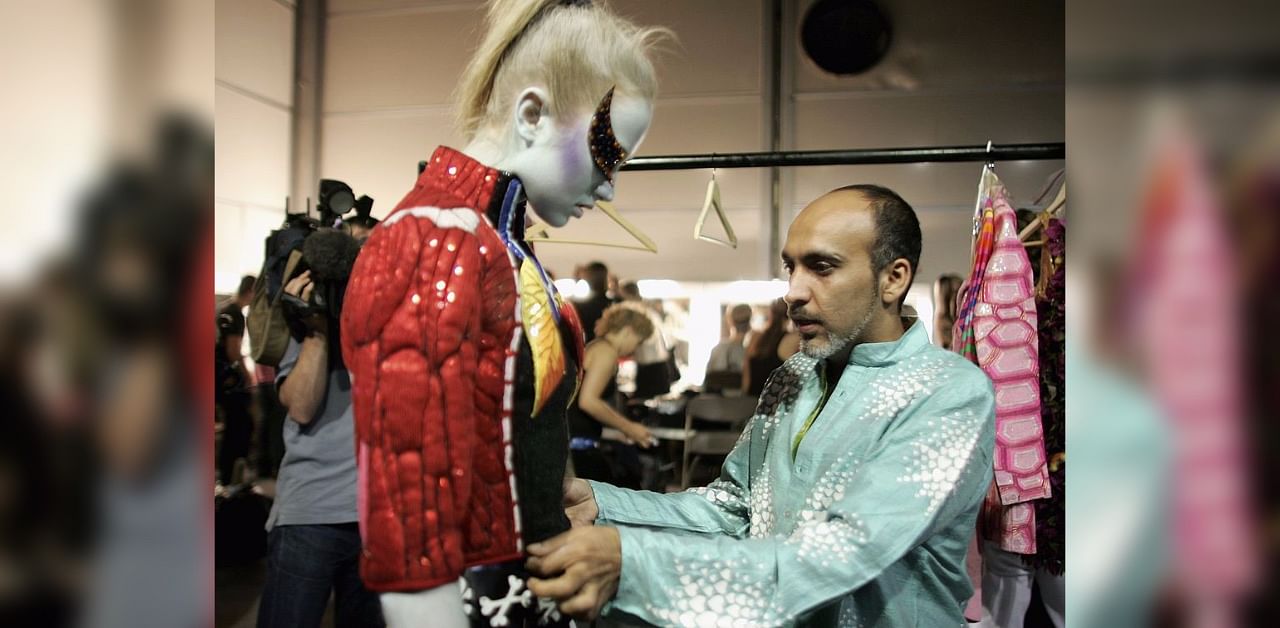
<point>797,291</point>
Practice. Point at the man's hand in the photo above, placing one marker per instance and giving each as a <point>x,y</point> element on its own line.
<point>580,503</point>
<point>578,569</point>
<point>302,287</point>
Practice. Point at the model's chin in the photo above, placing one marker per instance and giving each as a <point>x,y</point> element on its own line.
<point>553,218</point>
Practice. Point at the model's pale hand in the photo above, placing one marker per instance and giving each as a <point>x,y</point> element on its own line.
<point>580,503</point>
<point>578,569</point>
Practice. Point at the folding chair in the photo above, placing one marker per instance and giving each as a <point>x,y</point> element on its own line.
<point>730,412</point>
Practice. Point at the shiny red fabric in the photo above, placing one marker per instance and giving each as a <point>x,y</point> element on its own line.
<point>429,334</point>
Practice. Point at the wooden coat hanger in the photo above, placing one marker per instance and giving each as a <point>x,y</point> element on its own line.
<point>1058,202</point>
<point>713,201</point>
<point>539,234</point>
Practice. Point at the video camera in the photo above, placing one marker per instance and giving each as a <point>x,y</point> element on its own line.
<point>328,249</point>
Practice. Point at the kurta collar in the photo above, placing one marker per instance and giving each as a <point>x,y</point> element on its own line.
<point>879,354</point>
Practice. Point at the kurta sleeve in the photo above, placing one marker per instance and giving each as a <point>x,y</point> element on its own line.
<point>718,508</point>
<point>931,466</point>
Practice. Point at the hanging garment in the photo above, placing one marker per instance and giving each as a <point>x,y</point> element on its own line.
<point>997,330</point>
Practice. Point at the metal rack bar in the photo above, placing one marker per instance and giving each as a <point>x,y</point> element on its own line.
<point>852,157</point>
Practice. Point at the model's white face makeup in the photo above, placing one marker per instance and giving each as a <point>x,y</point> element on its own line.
<point>556,166</point>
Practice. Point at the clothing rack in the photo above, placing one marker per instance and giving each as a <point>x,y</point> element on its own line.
<point>984,153</point>
<point>848,157</point>
<point>852,157</point>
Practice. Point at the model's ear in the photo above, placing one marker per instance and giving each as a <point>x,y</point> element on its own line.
<point>532,116</point>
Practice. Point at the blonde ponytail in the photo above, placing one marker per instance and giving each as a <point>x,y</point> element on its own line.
<point>574,50</point>
<point>505,20</point>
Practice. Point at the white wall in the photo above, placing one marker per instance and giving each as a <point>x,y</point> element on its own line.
<point>253,108</point>
<point>391,66</point>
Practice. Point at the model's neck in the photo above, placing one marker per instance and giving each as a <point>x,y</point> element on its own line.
<point>491,149</point>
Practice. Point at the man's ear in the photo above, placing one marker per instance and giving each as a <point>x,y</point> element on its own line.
<point>532,114</point>
<point>895,281</point>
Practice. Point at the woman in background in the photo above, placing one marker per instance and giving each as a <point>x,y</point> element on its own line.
<point>769,349</point>
<point>620,330</point>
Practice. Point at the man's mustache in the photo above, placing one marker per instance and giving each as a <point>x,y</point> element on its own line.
<point>799,317</point>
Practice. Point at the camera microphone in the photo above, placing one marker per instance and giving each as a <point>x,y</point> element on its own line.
<point>330,254</point>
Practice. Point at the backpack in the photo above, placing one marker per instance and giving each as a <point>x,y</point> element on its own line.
<point>266,325</point>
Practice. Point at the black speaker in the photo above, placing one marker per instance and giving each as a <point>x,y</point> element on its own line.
<point>845,37</point>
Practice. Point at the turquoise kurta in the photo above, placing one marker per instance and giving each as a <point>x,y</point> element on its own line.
<point>867,525</point>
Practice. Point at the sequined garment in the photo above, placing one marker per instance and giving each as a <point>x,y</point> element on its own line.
<point>453,469</point>
<point>866,526</point>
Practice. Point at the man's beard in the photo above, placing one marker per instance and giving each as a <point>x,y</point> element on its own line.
<point>837,343</point>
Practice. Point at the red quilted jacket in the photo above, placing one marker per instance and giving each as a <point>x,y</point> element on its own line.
<point>431,334</point>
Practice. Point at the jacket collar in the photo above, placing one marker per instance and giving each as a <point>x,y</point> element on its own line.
<point>879,354</point>
<point>469,181</point>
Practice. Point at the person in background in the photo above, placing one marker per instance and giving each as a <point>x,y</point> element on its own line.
<point>622,329</point>
<point>313,541</point>
<point>850,498</point>
<point>360,226</point>
<point>233,395</point>
<point>724,367</point>
<point>655,370</point>
<point>769,349</point>
<point>909,316</point>
<point>591,308</point>
<point>945,309</point>
<point>271,418</point>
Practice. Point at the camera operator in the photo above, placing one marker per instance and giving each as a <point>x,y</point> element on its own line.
<point>313,542</point>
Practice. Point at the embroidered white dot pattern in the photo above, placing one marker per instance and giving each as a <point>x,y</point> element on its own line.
<point>714,593</point>
<point>938,462</point>
<point>828,542</point>
<point>760,506</point>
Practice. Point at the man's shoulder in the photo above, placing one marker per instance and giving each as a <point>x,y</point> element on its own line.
<point>230,318</point>
<point>231,308</point>
<point>958,371</point>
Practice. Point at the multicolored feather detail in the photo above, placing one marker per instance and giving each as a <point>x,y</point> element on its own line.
<point>543,334</point>
<point>511,230</point>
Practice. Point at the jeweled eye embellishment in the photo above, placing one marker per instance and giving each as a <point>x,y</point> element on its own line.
<point>606,151</point>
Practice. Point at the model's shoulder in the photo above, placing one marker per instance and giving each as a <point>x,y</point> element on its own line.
<point>464,218</point>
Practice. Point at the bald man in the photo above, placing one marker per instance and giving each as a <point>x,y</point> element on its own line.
<point>852,494</point>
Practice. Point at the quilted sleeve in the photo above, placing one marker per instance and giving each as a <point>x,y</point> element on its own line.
<point>378,282</point>
<point>411,307</point>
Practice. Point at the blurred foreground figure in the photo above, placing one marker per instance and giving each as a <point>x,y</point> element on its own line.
<point>1185,314</point>
<point>144,233</point>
